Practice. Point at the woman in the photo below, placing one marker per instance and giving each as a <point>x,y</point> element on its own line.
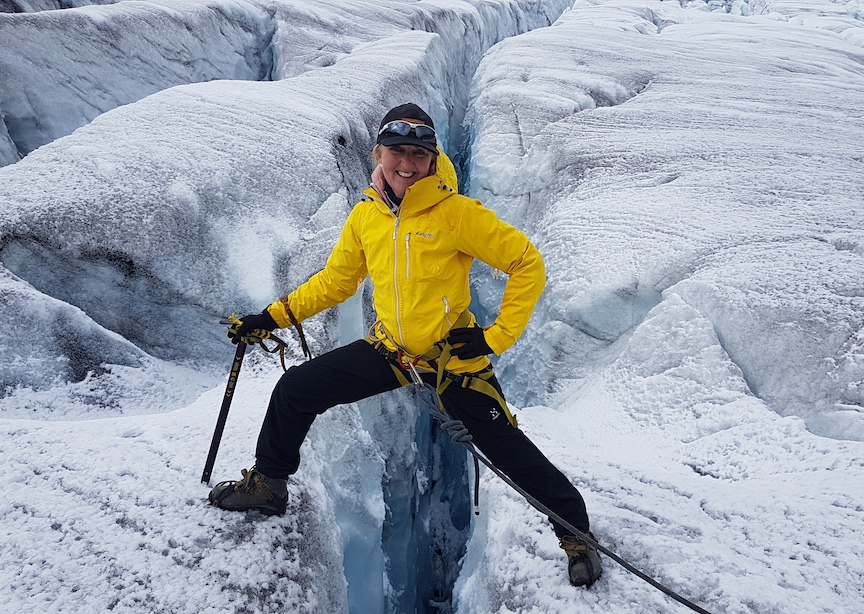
<point>416,237</point>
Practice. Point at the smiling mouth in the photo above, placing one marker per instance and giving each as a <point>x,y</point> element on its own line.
<point>405,175</point>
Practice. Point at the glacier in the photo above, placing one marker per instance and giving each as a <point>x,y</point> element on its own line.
<point>691,172</point>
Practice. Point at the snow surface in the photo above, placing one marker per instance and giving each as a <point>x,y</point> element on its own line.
<point>692,173</point>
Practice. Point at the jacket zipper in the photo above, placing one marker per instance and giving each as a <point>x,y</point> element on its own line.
<point>396,278</point>
<point>447,310</point>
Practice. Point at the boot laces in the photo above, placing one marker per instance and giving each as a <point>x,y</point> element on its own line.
<point>573,546</point>
<point>251,481</point>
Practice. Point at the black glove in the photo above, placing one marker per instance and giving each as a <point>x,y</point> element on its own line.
<point>249,324</point>
<point>474,343</point>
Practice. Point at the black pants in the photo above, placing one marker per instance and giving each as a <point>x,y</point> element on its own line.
<point>356,371</point>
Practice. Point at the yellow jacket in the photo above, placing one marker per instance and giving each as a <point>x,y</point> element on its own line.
<point>419,264</point>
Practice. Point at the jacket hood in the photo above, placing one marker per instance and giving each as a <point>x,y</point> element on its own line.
<point>434,188</point>
<point>446,171</point>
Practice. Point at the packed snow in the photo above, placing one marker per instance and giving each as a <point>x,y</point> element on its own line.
<point>692,174</point>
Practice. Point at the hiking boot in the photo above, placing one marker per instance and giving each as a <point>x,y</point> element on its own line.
<point>583,561</point>
<point>254,492</point>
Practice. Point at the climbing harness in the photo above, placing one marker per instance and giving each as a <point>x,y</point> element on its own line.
<point>436,358</point>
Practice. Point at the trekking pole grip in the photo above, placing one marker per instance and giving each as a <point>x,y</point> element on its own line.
<point>223,412</point>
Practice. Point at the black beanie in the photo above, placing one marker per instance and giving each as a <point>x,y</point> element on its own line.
<point>411,112</point>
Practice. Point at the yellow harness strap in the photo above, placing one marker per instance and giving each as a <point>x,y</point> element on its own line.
<point>437,357</point>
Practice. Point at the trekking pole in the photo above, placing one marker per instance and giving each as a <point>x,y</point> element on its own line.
<point>223,412</point>
<point>256,337</point>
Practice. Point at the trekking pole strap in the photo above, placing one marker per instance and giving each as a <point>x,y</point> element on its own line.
<point>279,347</point>
<point>296,323</point>
<point>257,337</point>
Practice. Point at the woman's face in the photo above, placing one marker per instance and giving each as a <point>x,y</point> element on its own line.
<point>404,165</point>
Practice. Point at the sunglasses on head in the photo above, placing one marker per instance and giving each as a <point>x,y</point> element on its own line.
<point>400,127</point>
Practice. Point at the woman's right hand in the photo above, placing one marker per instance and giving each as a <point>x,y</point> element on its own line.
<point>250,324</point>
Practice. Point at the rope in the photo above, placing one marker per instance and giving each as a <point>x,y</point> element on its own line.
<point>461,435</point>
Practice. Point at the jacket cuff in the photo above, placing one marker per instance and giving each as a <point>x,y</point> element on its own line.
<point>496,340</point>
<point>273,324</point>
<point>279,313</point>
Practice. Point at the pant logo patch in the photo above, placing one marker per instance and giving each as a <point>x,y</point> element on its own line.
<point>495,413</point>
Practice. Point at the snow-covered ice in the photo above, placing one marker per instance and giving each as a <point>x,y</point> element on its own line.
<point>692,174</point>
<point>61,69</point>
<point>694,181</point>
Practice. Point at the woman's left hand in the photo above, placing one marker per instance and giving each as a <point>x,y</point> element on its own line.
<point>473,343</point>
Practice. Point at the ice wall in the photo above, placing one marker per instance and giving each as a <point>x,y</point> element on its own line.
<point>32,6</point>
<point>659,157</point>
<point>105,56</point>
<point>208,170</point>
<point>693,182</point>
<point>61,69</point>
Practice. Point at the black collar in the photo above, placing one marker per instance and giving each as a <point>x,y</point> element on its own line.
<point>393,201</point>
